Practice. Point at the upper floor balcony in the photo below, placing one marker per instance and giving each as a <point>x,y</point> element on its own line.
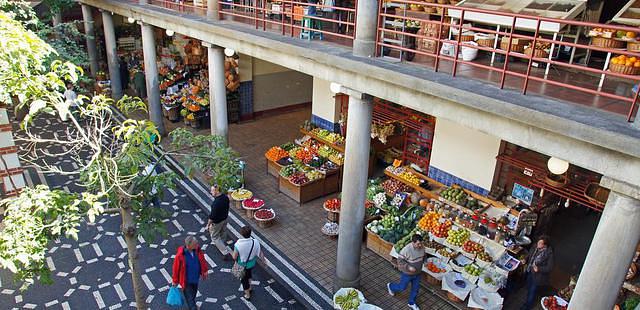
<point>589,64</point>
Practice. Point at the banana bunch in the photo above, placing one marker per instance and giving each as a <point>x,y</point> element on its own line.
<point>350,301</point>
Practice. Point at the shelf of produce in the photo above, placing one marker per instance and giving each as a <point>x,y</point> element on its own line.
<point>429,194</point>
<point>379,246</point>
<point>339,148</point>
<point>303,193</point>
<point>273,168</point>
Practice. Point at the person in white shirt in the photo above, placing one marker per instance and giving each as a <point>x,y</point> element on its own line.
<point>246,253</point>
<point>70,96</point>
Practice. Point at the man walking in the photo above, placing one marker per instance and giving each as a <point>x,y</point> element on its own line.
<point>217,223</point>
<point>410,263</point>
<point>189,266</point>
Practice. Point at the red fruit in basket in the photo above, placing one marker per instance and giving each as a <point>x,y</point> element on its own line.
<point>264,214</point>
<point>254,203</point>
<point>332,204</point>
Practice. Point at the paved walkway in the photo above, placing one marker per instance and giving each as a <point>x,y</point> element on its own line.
<point>92,273</point>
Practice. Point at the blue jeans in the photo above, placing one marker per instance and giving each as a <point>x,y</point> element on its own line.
<point>532,290</point>
<point>405,279</point>
<point>190,292</point>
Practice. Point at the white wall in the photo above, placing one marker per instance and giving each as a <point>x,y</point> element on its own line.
<point>245,66</point>
<point>465,153</point>
<point>261,67</point>
<point>324,101</point>
<point>276,86</point>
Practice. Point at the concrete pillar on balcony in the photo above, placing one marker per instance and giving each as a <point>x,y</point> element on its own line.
<point>151,76</point>
<point>612,249</point>
<point>90,33</point>
<point>112,55</point>
<point>366,28</point>
<point>217,91</point>
<point>354,187</point>
<point>56,18</point>
<point>213,8</point>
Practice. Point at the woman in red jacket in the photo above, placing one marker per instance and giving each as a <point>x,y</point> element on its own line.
<point>189,266</point>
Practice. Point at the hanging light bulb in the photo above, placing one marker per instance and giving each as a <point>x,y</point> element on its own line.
<point>131,20</point>
<point>541,192</point>
<point>170,32</point>
<point>566,203</point>
<point>229,52</point>
<point>557,166</point>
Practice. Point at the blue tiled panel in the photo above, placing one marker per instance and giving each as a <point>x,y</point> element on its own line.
<point>325,124</point>
<point>246,97</point>
<point>448,179</point>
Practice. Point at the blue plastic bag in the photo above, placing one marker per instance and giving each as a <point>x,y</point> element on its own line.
<point>175,298</point>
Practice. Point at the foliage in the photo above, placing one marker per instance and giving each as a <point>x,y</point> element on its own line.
<point>57,6</point>
<point>631,303</point>
<point>33,219</point>
<point>211,155</point>
<point>20,11</point>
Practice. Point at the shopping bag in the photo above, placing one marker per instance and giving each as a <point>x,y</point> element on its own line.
<point>237,270</point>
<point>175,297</point>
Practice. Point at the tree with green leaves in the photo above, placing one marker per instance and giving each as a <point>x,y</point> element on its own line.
<point>114,160</point>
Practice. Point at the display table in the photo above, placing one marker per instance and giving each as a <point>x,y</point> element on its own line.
<point>301,193</point>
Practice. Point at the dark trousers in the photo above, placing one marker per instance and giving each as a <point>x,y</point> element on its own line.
<point>532,291</point>
<point>190,292</point>
<point>246,279</point>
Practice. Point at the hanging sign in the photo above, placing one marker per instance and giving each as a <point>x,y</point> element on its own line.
<point>528,171</point>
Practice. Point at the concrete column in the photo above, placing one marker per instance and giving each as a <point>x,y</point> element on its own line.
<point>56,18</point>
<point>354,188</point>
<point>112,55</point>
<point>142,2</point>
<point>366,28</point>
<point>151,76</point>
<point>90,33</point>
<point>612,249</point>
<point>213,9</point>
<point>217,91</point>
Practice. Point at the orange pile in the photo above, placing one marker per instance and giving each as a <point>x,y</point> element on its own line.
<point>276,153</point>
<point>626,61</point>
<point>433,268</point>
<point>429,221</point>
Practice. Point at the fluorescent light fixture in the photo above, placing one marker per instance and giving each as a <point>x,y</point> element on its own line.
<point>335,87</point>
<point>229,52</point>
<point>169,32</point>
<point>557,166</point>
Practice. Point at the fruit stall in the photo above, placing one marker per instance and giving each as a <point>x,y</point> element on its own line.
<point>309,167</point>
<point>469,239</point>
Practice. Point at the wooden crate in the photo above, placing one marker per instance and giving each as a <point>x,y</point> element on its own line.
<point>273,168</point>
<point>332,182</point>
<point>304,193</point>
<point>379,246</point>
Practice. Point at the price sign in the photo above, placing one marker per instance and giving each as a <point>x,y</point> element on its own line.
<point>528,171</point>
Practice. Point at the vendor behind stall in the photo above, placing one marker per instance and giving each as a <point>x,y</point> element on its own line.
<point>539,265</point>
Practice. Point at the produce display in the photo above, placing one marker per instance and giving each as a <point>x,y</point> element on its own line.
<point>434,268</point>
<point>332,205</point>
<point>313,175</point>
<point>448,253</point>
<point>241,194</point>
<point>253,204</point>
<point>328,136</point>
<point>382,132</point>
<point>288,146</point>
<point>473,270</point>
<point>626,61</point>
<point>612,33</point>
<point>409,177</point>
<point>298,178</point>
<point>472,247</point>
<point>392,228</point>
<point>553,303</point>
<point>288,171</point>
<point>473,204</point>
<point>391,186</point>
<point>276,153</point>
<point>433,245</point>
<point>330,229</point>
<point>429,221</point>
<point>305,155</point>
<point>349,301</point>
<point>264,214</point>
<point>457,237</point>
<point>294,151</point>
<point>457,195</point>
<point>442,230</point>
<point>485,257</point>
<point>405,240</point>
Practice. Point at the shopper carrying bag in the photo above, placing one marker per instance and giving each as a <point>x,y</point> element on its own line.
<point>246,253</point>
<point>175,297</point>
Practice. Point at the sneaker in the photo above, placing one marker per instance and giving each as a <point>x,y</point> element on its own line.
<point>229,242</point>
<point>413,307</point>
<point>389,290</point>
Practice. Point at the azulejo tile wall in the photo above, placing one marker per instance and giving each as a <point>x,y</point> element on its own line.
<point>325,124</point>
<point>449,179</point>
<point>246,98</point>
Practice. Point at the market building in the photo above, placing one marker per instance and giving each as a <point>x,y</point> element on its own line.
<point>487,124</point>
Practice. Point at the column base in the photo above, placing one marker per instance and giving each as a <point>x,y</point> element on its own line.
<point>339,283</point>
<point>364,48</point>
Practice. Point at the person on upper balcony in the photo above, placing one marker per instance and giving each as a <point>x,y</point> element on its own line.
<point>311,9</point>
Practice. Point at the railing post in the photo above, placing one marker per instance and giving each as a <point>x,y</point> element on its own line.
<point>213,9</point>
<point>506,58</point>
<point>630,115</point>
<point>439,40</point>
<point>457,49</point>
<point>292,16</point>
<point>379,25</point>
<point>535,39</point>
<point>366,28</point>
<point>282,13</point>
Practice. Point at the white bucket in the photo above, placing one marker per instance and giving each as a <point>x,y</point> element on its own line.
<point>469,53</point>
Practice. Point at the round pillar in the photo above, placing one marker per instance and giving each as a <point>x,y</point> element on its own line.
<point>112,55</point>
<point>151,76</point>
<point>89,31</point>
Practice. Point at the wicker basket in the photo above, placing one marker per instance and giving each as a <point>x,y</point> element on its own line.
<point>537,54</point>
<point>633,46</point>
<point>430,9</point>
<point>596,193</point>
<point>606,42</point>
<point>557,180</point>
<point>486,42</point>
<point>518,48</point>
<point>465,37</point>
<point>443,1</point>
<point>622,69</point>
